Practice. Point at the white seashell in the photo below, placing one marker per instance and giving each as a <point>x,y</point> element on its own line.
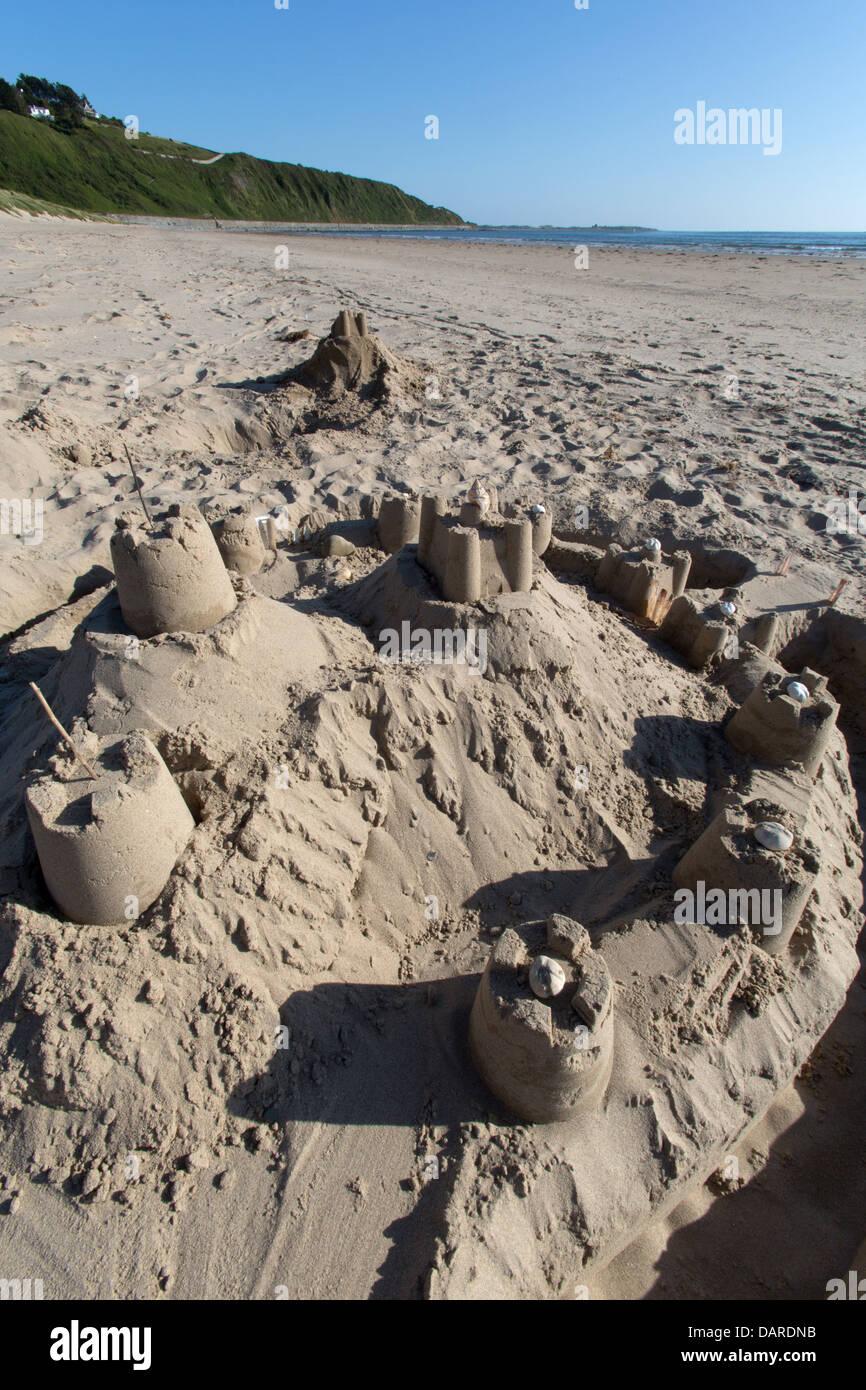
<point>798,692</point>
<point>538,509</point>
<point>546,977</point>
<point>774,836</point>
<point>653,544</point>
<point>479,497</point>
<point>728,607</point>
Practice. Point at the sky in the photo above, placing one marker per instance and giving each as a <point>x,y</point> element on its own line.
<point>547,114</point>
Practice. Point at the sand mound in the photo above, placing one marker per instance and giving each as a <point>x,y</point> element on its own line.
<point>352,373</point>
<point>366,828</point>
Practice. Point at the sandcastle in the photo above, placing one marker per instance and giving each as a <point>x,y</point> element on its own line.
<point>652,583</point>
<point>349,359</point>
<point>547,1055</point>
<point>473,556</point>
<point>783,727</point>
<point>107,847</point>
<point>755,859</point>
<point>698,633</point>
<point>170,578</point>
<point>643,580</point>
<point>476,554</point>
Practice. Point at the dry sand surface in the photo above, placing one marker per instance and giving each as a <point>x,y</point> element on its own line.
<point>162,1135</point>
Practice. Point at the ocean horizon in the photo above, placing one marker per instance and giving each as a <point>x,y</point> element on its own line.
<point>764,243</point>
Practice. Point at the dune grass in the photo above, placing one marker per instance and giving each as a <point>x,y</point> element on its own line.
<point>38,207</point>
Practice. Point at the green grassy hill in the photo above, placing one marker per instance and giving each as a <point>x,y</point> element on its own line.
<point>96,169</point>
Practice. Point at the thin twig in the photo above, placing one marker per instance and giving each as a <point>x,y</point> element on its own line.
<point>59,727</point>
<point>138,486</point>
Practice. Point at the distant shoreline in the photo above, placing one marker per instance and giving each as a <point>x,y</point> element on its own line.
<point>230,224</point>
<point>835,244</point>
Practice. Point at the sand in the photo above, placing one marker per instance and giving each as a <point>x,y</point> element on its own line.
<point>165,1136</point>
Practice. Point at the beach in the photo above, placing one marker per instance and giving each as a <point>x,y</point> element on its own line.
<point>191,322</point>
<point>711,399</point>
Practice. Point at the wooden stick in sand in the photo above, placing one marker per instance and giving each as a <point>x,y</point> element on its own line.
<point>836,592</point>
<point>59,727</point>
<point>138,487</point>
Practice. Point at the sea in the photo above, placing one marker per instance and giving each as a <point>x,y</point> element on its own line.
<point>762,243</point>
<point>841,244</point>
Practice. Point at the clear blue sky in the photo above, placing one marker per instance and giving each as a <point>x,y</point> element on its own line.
<point>548,114</point>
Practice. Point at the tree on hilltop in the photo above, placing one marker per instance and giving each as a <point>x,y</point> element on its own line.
<point>37,91</point>
<point>68,108</point>
<point>11,99</point>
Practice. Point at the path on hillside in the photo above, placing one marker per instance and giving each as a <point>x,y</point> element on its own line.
<point>213,159</point>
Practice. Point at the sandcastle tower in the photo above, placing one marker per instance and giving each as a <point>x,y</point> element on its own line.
<point>239,541</point>
<point>348,325</point>
<point>642,579</point>
<point>170,578</point>
<point>762,632</point>
<point>541,1028</point>
<point>786,721</point>
<point>759,865</point>
<point>107,847</point>
<point>399,522</point>
<point>542,527</point>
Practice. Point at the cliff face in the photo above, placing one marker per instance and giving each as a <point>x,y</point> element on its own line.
<point>97,169</point>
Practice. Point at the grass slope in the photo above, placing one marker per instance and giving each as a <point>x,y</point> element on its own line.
<point>96,169</point>
<point>19,203</point>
